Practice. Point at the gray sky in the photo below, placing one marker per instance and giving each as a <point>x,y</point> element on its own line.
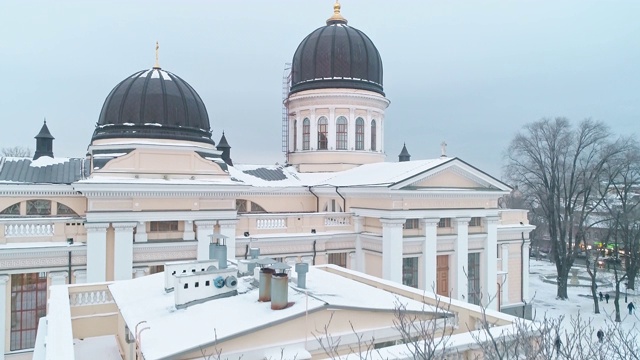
<point>468,72</point>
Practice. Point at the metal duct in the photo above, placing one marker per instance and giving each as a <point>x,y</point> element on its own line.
<point>302,269</point>
<point>279,291</point>
<point>264,293</point>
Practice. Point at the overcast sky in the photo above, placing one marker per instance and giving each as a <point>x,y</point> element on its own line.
<point>468,72</point>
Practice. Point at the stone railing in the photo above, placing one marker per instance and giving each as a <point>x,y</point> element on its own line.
<point>271,223</point>
<point>86,297</point>
<point>28,229</point>
<point>338,220</point>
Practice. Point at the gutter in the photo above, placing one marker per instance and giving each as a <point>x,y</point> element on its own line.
<point>344,201</point>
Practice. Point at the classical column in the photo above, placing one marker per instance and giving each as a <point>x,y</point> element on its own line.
<point>141,232</point>
<point>188,234</point>
<point>204,230</point>
<point>351,130</point>
<point>4,324</point>
<point>58,277</point>
<point>313,131</point>
<point>331,129</point>
<point>81,276</point>
<point>228,229</point>
<point>359,256</point>
<point>504,250</point>
<point>96,251</point>
<point>461,260</point>
<point>430,254</point>
<point>491,258</point>
<point>139,272</point>
<point>392,249</point>
<point>123,251</point>
<point>525,272</point>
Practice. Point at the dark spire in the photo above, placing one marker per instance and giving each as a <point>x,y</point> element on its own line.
<point>404,154</point>
<point>44,142</point>
<point>223,146</point>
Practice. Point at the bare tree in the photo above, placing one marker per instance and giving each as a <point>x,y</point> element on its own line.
<point>16,151</point>
<point>559,167</point>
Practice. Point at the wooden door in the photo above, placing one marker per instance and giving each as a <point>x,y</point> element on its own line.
<point>442,276</point>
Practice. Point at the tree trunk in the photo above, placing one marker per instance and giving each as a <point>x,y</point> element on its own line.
<point>631,278</point>
<point>563,274</point>
<point>616,302</point>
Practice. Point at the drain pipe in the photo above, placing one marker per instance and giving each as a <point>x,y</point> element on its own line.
<point>344,201</point>
<point>314,253</point>
<point>317,199</point>
<point>522,274</point>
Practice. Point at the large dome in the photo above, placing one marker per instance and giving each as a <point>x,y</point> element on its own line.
<point>154,104</point>
<point>336,56</point>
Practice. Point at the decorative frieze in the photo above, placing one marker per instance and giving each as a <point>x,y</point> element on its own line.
<point>41,259</point>
<point>150,252</point>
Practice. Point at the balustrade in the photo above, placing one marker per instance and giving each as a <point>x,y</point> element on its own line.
<point>28,230</point>
<point>337,220</point>
<point>91,297</point>
<point>273,223</point>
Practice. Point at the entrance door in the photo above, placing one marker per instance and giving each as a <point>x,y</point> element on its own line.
<point>442,275</point>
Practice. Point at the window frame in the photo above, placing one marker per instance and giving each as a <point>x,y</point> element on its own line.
<point>306,133</point>
<point>374,135</point>
<point>323,132</point>
<point>163,226</point>
<point>28,305</point>
<point>359,133</point>
<point>342,133</point>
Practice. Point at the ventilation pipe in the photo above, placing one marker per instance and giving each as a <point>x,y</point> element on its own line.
<point>218,251</point>
<point>264,292</point>
<point>254,252</point>
<point>279,291</point>
<point>302,269</point>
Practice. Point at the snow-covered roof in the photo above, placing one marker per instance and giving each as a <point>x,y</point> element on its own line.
<point>44,170</point>
<point>173,331</point>
<point>377,174</point>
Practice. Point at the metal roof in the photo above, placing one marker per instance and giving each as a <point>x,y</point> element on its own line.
<point>21,170</point>
<point>267,174</point>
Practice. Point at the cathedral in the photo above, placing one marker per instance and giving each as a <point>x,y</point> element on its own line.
<point>155,187</point>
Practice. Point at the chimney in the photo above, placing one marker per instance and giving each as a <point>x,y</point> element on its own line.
<point>279,291</point>
<point>254,252</point>
<point>302,269</point>
<point>264,292</point>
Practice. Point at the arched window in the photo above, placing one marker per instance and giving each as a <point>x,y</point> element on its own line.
<point>341,133</point>
<point>359,134</point>
<point>373,135</point>
<point>11,210</point>
<point>322,133</point>
<point>295,135</point>
<point>255,208</point>
<point>306,131</point>
<point>65,210</point>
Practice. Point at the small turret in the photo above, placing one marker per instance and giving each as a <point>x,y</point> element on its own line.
<point>44,142</point>
<point>223,146</point>
<point>404,154</point>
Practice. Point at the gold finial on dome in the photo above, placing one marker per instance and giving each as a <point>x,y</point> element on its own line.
<point>336,18</point>
<point>157,65</point>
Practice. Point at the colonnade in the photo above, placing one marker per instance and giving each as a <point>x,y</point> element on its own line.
<point>124,239</point>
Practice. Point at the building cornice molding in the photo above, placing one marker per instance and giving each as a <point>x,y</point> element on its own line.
<point>302,100</point>
<point>39,258</point>
<point>38,190</point>
<point>125,216</point>
<point>423,213</point>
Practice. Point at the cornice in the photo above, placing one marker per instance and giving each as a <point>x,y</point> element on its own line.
<point>38,190</point>
<point>36,258</point>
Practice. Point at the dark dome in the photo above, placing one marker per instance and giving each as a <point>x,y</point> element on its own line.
<point>336,56</point>
<point>154,104</point>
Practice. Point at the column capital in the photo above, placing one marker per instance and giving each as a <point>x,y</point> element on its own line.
<point>463,220</point>
<point>227,223</point>
<point>392,223</point>
<point>58,275</point>
<point>120,226</point>
<point>204,224</point>
<point>4,279</point>
<point>430,221</point>
<point>96,227</point>
<point>78,273</point>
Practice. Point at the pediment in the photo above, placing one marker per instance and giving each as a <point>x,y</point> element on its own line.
<point>455,174</point>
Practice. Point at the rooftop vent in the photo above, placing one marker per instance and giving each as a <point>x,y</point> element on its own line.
<point>171,269</point>
<point>198,287</point>
<point>218,249</point>
<point>302,269</point>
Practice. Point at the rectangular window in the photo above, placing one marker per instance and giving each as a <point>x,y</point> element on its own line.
<point>28,305</point>
<point>38,207</point>
<point>360,134</point>
<point>322,136</point>
<point>339,259</point>
<point>475,221</point>
<point>410,271</point>
<point>295,135</point>
<point>474,278</point>
<point>161,226</point>
<point>444,223</point>
<point>306,132</point>
<point>412,224</point>
<point>341,135</point>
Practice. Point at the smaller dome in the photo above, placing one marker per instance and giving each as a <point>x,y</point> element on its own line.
<point>336,56</point>
<point>154,104</point>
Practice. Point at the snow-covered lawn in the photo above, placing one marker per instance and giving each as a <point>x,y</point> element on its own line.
<point>545,303</point>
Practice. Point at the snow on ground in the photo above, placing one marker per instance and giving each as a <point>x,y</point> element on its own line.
<point>97,348</point>
<point>544,300</point>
